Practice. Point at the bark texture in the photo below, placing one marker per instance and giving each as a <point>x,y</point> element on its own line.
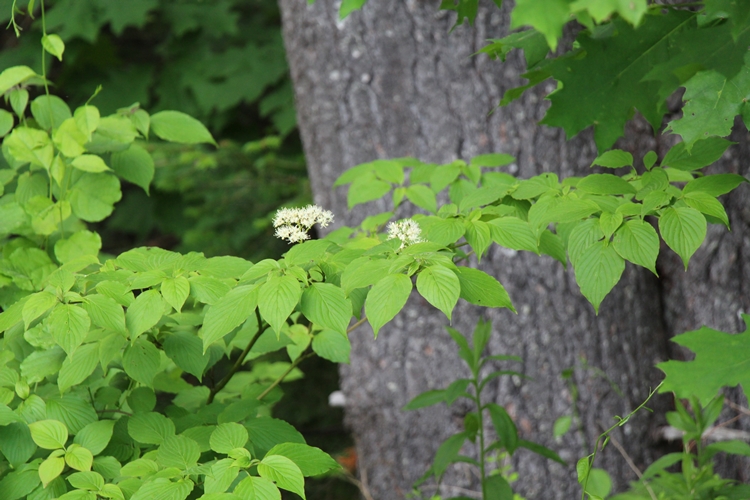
<point>390,81</point>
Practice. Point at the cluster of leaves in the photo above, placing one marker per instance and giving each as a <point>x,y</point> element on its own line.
<point>597,222</point>
<point>494,483</point>
<point>208,59</point>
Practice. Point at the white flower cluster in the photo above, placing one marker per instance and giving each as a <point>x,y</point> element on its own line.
<point>292,224</point>
<point>405,230</point>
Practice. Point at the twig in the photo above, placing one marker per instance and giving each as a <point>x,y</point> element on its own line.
<point>356,325</point>
<point>240,360</point>
<point>283,375</point>
<point>361,485</point>
<point>630,462</point>
<point>738,408</point>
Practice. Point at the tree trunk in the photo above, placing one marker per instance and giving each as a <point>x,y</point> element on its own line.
<point>390,81</point>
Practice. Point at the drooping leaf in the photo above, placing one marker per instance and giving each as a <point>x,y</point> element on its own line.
<point>176,126</point>
<point>141,361</point>
<point>440,287</point>
<point>228,313</point>
<point>134,165</point>
<point>326,305</point>
<point>69,325</point>
<point>637,242</point>
<point>683,229</point>
<point>145,311</point>
<point>386,298</point>
<point>282,471</point>
<point>597,271</point>
<point>310,460</point>
<point>277,298</point>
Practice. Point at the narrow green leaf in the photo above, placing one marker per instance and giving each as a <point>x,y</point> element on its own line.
<point>448,452</point>
<point>715,185</point>
<point>426,399</point>
<point>701,154</point>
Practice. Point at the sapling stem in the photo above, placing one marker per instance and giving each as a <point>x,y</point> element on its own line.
<point>283,375</point>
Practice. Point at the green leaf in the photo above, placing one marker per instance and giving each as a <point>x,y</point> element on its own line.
<point>683,229</point>
<point>134,165</point>
<point>562,426</point>
<point>223,474</point>
<point>144,313</point>
<point>637,242</point>
<point>186,350</point>
<point>478,235</point>
<point>13,76</point>
<point>715,185</point>
<point>92,196</point>
<point>228,313</point>
<point>447,453</point>
<point>96,436</point>
<point>6,122</point>
<point>175,126</point>
<point>497,487</point>
<point>332,346</point>
<point>50,111</point>
<point>90,163</point>
<point>257,488</point>
<point>54,45</point>
<point>69,325</point>
<point>79,458</point>
<point>77,245</point>
<point>552,245</point>
<point>605,184</point>
<point>266,432</point>
<point>92,481</point>
<point>422,196</point>
<point>76,369</point>
<point>51,468</point>
<point>16,445</point>
<point>426,399</point>
<point>36,305</point>
<point>141,361</point>
<point>597,271</point>
<point>175,291</point>
<point>702,153</point>
<point>614,158</point>
<point>720,361</point>
<point>599,484</point>
<point>707,204</point>
<point>283,472</point>
<point>326,305</point>
<point>178,451</point>
<point>514,233</point>
<point>492,160</point>
<point>479,288</point>
<point>49,434</point>
<point>28,145</point>
<point>164,489</point>
<point>19,98</point>
<point>227,437</point>
<point>310,460</point>
<point>349,6</point>
<point>75,412</point>
<point>547,18</point>
<point>207,290</point>
<point>440,287</point>
<point>442,231</point>
<point>504,426</point>
<point>366,188</point>
<point>386,298</point>
<point>536,186</point>
<point>105,313</point>
<point>142,399</point>
<point>277,298</point>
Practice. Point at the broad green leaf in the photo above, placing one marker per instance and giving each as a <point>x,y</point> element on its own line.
<point>186,350</point>
<point>440,287</point>
<point>134,165</point>
<point>605,184</point>
<point>229,312</point>
<point>79,458</point>
<point>715,185</point>
<point>614,158</point>
<point>6,122</point>
<point>637,242</point>
<point>50,111</point>
<point>69,325</point>
<point>142,399</point>
<point>87,119</point>
<point>561,426</point>
<point>683,229</point>
<point>277,298</point>
<point>36,305</point>
<point>75,369</point>
<point>701,154</point>
<point>223,474</point>
<point>609,222</point>
<point>49,434</point>
<point>19,98</point>
<point>332,346</point>
<point>422,196</point>
<point>92,481</point>
<point>599,484</point>
<point>90,163</point>
<point>597,271</point>
<point>78,244</point>
<point>442,231</point>
<point>479,288</point>
<point>93,196</point>
<point>51,468</point>
<point>720,361</point>
<point>175,291</point>
<point>164,489</point>
<point>207,290</point>
<point>73,411</point>
<point>707,204</point>
<point>178,451</point>
<point>257,488</point>
<point>547,18</point>
<point>227,437</point>
<point>513,233</point>
<point>96,436</point>
<point>363,272</point>
<point>283,472</point>
<point>139,467</point>
<point>71,141</point>
<point>54,45</point>
<point>105,313</point>
<point>150,428</point>
<point>13,76</point>
<point>141,361</point>
<point>306,252</point>
<point>29,145</point>
<point>497,487</point>
<point>310,460</point>
<point>16,444</point>
<point>479,236</point>
<point>536,186</point>
<point>145,312</point>
<point>326,305</point>
<point>266,432</point>
<point>366,188</point>
<point>175,126</point>
<point>386,298</point>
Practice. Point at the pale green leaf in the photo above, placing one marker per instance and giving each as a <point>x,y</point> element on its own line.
<point>683,229</point>
<point>637,242</point>
<point>175,126</point>
<point>326,305</point>
<point>257,488</point>
<point>283,472</point>
<point>597,271</point>
<point>227,437</point>
<point>228,313</point>
<point>479,288</point>
<point>386,298</point>
<point>440,287</point>
<point>54,45</point>
<point>178,451</point>
<point>49,434</point>
<point>277,298</point>
<point>144,313</point>
<point>69,325</point>
<point>332,346</point>
<point>141,361</point>
<point>96,436</point>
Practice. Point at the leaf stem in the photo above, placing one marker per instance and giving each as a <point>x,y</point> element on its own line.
<point>240,360</point>
<point>356,325</point>
<point>283,375</point>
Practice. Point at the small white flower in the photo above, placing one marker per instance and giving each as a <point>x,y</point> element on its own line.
<point>405,230</point>
<point>292,224</point>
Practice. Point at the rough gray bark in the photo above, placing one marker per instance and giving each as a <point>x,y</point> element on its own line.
<point>389,82</point>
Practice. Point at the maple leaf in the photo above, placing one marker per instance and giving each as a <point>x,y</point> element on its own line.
<point>721,360</point>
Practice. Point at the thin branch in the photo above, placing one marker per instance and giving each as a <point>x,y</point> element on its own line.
<point>240,361</point>
<point>283,375</point>
<point>356,325</point>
